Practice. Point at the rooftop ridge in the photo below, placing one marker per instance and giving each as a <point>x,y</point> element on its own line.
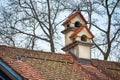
<point>57,57</point>
<point>98,60</point>
<point>13,47</point>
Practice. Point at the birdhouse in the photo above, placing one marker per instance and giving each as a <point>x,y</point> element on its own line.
<point>77,36</point>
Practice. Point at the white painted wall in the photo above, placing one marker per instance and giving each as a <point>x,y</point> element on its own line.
<point>84,32</point>
<point>71,23</point>
<point>80,50</point>
<point>84,52</point>
<point>67,38</point>
<point>77,18</point>
<point>76,50</point>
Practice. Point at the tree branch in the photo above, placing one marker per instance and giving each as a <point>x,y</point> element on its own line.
<point>99,28</point>
<point>115,35</point>
<point>30,34</point>
<point>114,7</point>
<point>98,48</point>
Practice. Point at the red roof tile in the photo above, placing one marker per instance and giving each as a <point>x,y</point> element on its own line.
<point>72,16</point>
<point>110,69</point>
<point>25,70</point>
<point>79,30</point>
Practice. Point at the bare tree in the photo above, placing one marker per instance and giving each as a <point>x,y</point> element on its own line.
<point>111,32</point>
<point>6,34</point>
<point>108,30</point>
<point>42,13</point>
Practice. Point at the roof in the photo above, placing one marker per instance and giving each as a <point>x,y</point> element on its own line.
<point>72,16</point>
<point>39,65</point>
<point>74,34</point>
<point>22,68</point>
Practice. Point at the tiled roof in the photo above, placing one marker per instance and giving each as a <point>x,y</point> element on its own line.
<point>74,34</point>
<point>72,16</point>
<point>111,69</point>
<point>22,68</point>
<point>38,65</point>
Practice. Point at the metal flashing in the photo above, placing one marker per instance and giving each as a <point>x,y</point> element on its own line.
<point>10,70</point>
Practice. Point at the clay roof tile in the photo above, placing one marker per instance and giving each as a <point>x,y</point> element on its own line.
<point>73,35</point>
<point>72,16</point>
<point>52,66</point>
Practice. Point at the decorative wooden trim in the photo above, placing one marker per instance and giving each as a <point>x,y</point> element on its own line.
<point>73,15</point>
<point>69,46</point>
<point>79,30</point>
<point>68,29</point>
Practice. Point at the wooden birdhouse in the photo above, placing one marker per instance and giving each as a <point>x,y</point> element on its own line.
<point>77,36</point>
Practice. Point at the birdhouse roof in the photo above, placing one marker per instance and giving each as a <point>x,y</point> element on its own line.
<point>74,34</point>
<point>72,16</point>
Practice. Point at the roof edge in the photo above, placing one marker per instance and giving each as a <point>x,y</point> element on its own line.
<point>72,16</point>
<point>80,29</point>
<point>10,70</point>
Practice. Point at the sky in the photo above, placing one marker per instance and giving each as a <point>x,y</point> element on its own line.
<point>3,2</point>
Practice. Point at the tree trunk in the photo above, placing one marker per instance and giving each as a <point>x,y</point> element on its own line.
<point>106,56</point>
<point>52,45</point>
<point>50,28</point>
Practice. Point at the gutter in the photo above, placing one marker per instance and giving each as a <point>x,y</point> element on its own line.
<point>18,77</point>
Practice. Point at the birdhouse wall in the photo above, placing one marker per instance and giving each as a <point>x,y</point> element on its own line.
<point>77,18</point>
<point>84,51</point>
<point>67,38</point>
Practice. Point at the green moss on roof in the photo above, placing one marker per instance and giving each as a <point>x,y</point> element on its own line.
<point>54,66</point>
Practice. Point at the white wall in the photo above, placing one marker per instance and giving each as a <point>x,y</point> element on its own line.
<point>71,23</point>
<point>79,50</point>
<point>77,18</point>
<point>84,52</point>
<point>67,38</point>
<point>84,32</point>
